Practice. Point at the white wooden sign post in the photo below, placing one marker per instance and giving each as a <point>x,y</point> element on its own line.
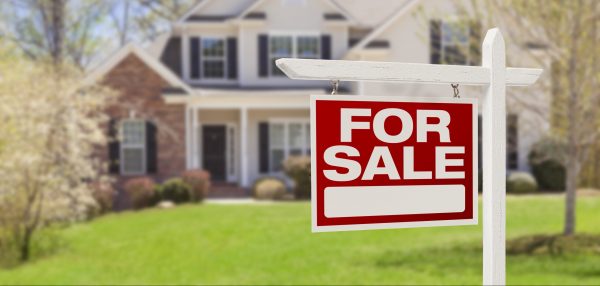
<point>496,76</point>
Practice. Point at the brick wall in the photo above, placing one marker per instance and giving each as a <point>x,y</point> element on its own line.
<point>139,89</point>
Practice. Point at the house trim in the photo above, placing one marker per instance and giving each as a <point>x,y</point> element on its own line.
<point>257,101</point>
<point>250,9</point>
<point>206,96</point>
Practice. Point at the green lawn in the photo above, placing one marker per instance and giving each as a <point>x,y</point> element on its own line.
<point>272,244</point>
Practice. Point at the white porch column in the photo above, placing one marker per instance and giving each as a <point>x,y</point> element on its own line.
<point>185,55</point>
<point>195,139</point>
<point>244,146</point>
<point>188,137</point>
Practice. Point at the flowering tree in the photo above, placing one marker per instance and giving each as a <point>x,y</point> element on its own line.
<point>50,129</point>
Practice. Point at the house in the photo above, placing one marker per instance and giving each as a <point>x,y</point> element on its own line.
<point>208,94</point>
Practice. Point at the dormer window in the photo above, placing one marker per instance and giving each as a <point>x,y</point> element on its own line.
<point>293,44</point>
<point>306,47</point>
<point>213,58</point>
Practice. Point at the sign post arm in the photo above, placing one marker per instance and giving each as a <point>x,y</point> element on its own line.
<point>308,69</point>
<point>494,160</point>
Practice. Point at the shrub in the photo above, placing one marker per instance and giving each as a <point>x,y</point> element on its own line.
<point>175,190</point>
<point>546,159</point>
<point>104,194</point>
<point>141,192</point>
<point>554,244</point>
<point>521,183</point>
<point>199,181</point>
<point>551,174</point>
<point>9,249</point>
<point>298,168</point>
<point>269,188</point>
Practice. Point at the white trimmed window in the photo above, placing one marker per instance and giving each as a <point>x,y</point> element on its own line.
<point>213,59</point>
<point>288,46</point>
<point>280,47</point>
<point>133,147</point>
<point>307,47</point>
<point>454,43</point>
<point>287,138</point>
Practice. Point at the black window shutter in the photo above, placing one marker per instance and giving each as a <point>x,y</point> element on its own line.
<point>326,47</point>
<point>435,41</point>
<point>475,43</point>
<point>114,147</point>
<point>263,55</point>
<point>263,146</point>
<point>195,57</point>
<point>232,58</point>
<point>151,150</point>
<point>171,55</point>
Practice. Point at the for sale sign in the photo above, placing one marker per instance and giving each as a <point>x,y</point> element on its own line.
<point>385,162</point>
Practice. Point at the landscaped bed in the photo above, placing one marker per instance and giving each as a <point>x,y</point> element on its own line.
<point>272,244</point>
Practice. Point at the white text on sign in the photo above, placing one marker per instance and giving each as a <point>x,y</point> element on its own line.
<point>381,159</point>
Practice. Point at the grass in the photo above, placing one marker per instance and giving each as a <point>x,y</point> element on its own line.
<point>272,244</point>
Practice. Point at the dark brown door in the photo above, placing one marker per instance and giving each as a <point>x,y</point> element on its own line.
<point>213,151</point>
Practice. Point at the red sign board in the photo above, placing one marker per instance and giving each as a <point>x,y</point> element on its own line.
<point>386,162</point>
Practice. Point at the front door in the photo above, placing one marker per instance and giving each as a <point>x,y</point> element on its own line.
<point>213,151</point>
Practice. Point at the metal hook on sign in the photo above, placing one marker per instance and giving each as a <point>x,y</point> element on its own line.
<point>334,86</point>
<point>456,91</point>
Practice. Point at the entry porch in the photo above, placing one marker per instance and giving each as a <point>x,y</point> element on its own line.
<point>241,139</point>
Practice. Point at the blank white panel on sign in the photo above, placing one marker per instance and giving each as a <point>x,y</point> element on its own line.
<point>393,200</point>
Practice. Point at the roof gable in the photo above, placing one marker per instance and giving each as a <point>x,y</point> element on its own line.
<point>341,14</point>
<point>371,13</point>
<point>401,12</point>
<point>100,71</point>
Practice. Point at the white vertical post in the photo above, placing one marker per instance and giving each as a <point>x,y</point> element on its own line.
<point>195,139</point>
<point>185,55</point>
<point>494,161</point>
<point>244,146</point>
<point>188,137</point>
